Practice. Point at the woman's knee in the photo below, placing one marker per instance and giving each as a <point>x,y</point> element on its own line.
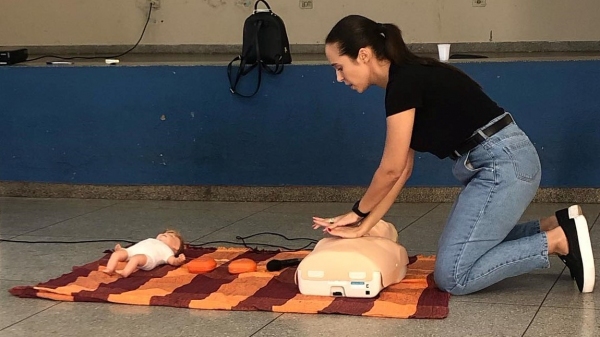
<point>447,280</point>
<point>450,285</point>
<point>443,276</point>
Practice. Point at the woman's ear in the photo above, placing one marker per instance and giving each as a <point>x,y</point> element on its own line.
<point>364,55</point>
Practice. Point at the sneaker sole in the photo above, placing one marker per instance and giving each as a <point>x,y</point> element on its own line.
<point>571,213</point>
<point>587,256</point>
<point>574,211</point>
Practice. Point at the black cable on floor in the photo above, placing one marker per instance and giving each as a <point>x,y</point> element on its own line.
<point>98,57</point>
<point>242,238</point>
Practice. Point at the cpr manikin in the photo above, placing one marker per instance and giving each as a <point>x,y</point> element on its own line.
<point>359,267</point>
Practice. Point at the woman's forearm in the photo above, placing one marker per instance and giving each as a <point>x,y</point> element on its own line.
<point>384,181</point>
<point>382,184</point>
<point>386,203</point>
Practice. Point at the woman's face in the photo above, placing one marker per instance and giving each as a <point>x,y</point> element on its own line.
<point>354,73</point>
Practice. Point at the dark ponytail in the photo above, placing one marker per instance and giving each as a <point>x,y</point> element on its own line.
<point>355,32</point>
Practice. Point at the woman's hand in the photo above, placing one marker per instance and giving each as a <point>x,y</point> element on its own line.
<point>348,232</point>
<point>350,218</point>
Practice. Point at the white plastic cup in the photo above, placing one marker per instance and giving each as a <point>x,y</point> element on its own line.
<point>444,51</point>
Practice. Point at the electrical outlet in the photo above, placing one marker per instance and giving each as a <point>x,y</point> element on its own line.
<point>479,3</point>
<point>155,4</point>
<point>306,4</point>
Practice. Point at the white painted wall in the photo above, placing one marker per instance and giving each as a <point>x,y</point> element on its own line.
<point>180,22</point>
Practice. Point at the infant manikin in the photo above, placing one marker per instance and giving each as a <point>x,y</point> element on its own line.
<point>359,267</point>
<point>148,254</point>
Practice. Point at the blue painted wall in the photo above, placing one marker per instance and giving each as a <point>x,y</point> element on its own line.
<point>105,125</point>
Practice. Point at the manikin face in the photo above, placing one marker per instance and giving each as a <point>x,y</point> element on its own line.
<point>355,73</point>
<point>170,239</point>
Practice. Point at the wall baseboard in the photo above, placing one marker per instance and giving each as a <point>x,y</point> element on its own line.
<point>263,193</point>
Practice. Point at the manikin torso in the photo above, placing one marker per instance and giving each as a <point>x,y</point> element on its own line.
<point>336,259</point>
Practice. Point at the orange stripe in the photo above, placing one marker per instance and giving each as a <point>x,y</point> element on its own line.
<point>55,297</point>
<point>304,304</point>
<point>244,286</point>
<point>204,285</point>
<point>398,304</point>
<point>276,292</point>
<point>231,294</point>
<point>166,285</point>
<point>91,282</point>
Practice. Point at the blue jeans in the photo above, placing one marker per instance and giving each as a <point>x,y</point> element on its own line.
<point>482,243</point>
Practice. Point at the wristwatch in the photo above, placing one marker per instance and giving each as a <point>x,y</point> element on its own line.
<point>357,211</point>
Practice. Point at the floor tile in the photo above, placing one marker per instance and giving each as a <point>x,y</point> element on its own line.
<point>102,319</point>
<point>535,211</point>
<point>310,209</point>
<point>39,262</point>
<point>424,233</point>
<point>11,204</point>
<point>565,293</point>
<point>329,209</point>
<point>217,206</point>
<point>595,235</point>
<point>22,215</point>
<point>465,319</point>
<point>527,289</point>
<point>541,210</point>
<point>412,210</point>
<point>401,215</point>
<point>291,225</point>
<point>15,309</point>
<point>568,323</point>
<point>137,223</point>
<point>420,252</point>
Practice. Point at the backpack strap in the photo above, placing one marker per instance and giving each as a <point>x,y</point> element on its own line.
<point>263,1</point>
<point>242,71</point>
<point>278,66</point>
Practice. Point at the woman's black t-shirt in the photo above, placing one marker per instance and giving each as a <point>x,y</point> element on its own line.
<point>449,106</point>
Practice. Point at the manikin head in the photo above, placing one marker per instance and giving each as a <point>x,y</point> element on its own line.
<point>173,239</point>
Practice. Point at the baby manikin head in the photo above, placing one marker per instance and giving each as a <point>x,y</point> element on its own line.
<point>173,239</point>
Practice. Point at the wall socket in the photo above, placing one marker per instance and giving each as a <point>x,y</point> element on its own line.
<point>155,4</point>
<point>479,3</point>
<point>306,4</point>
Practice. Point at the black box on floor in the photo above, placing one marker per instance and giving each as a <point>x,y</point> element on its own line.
<point>13,56</point>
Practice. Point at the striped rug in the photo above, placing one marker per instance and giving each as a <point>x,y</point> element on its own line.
<point>415,297</point>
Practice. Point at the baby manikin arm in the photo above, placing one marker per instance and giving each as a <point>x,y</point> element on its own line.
<point>358,267</point>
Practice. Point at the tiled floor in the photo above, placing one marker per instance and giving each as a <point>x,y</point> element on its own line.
<point>543,303</point>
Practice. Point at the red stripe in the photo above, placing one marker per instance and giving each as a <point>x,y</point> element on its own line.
<point>24,291</point>
<point>412,259</point>
<point>276,292</point>
<point>78,271</point>
<point>204,285</point>
<point>133,282</point>
<point>433,302</point>
<point>349,306</point>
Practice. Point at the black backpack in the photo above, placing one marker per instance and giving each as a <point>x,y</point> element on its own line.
<point>265,43</point>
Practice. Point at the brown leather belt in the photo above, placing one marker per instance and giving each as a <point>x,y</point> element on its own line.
<point>477,138</point>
